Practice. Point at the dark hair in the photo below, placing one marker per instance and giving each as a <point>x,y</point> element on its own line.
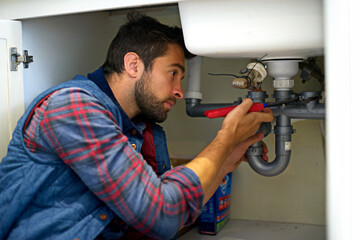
<point>145,36</point>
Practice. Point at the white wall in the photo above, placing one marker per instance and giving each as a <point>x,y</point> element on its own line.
<point>63,47</point>
<point>66,45</point>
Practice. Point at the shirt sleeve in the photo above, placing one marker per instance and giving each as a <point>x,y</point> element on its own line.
<point>86,136</point>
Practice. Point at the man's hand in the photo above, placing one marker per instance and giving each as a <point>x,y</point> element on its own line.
<point>238,132</point>
<point>238,155</point>
<point>264,153</point>
<point>239,125</point>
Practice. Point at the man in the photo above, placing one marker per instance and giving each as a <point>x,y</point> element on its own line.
<point>87,160</point>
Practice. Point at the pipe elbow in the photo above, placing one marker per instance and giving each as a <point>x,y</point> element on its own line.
<point>193,109</point>
<point>192,112</point>
<point>268,169</point>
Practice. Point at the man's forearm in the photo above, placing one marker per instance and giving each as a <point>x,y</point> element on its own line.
<point>209,162</point>
<point>217,181</point>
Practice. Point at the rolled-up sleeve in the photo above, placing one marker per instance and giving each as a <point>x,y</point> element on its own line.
<point>86,136</point>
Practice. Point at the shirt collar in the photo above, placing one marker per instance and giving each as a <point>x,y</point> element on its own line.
<point>98,77</point>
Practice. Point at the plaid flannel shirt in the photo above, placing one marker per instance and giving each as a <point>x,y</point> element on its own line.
<point>77,128</point>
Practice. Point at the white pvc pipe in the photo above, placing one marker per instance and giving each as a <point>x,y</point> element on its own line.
<point>282,71</point>
<point>194,78</point>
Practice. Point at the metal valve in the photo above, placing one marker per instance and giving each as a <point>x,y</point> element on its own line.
<point>251,77</point>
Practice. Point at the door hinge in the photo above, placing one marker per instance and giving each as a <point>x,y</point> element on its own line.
<point>16,59</point>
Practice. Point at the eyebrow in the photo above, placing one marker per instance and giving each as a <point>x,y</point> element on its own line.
<point>179,66</point>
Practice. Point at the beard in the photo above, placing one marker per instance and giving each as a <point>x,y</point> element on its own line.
<point>152,109</point>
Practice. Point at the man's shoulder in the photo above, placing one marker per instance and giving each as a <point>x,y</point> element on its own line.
<point>72,94</point>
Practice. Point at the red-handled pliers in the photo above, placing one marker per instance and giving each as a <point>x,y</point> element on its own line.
<point>257,107</point>
<point>222,112</point>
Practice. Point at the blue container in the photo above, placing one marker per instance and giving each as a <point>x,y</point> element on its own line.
<point>215,213</point>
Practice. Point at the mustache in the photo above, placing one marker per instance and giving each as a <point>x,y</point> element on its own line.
<point>171,99</point>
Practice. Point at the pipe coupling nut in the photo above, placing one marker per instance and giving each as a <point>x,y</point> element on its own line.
<point>283,83</point>
<point>283,130</point>
<point>254,151</point>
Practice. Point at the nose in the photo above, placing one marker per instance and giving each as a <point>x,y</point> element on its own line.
<point>177,91</point>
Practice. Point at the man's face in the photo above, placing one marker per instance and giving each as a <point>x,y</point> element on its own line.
<point>159,88</point>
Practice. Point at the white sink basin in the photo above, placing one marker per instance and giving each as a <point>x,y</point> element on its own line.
<point>253,28</point>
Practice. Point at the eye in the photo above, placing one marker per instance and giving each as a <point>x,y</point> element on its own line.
<point>176,74</point>
<point>173,74</point>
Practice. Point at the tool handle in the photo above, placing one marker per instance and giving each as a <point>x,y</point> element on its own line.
<point>257,107</point>
<point>222,112</point>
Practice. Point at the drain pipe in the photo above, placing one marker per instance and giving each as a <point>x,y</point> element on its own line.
<point>282,71</point>
<point>309,110</point>
<point>193,96</point>
<point>283,137</point>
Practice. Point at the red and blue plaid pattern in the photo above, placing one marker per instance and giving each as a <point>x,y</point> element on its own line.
<point>79,130</point>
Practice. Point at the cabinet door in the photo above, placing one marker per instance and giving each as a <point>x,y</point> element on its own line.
<point>11,82</point>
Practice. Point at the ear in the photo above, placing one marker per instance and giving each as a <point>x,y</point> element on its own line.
<point>133,64</point>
